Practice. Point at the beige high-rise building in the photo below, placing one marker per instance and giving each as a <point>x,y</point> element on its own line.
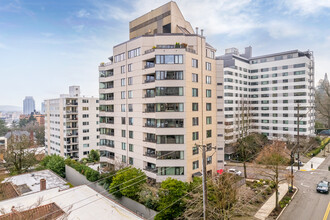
<point>71,125</point>
<point>158,98</point>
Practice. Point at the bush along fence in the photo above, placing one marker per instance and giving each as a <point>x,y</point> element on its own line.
<point>89,173</point>
<point>322,146</point>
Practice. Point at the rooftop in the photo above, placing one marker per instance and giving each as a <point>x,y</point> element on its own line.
<point>79,202</point>
<point>30,182</point>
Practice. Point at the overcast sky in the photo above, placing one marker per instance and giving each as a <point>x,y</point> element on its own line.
<point>48,45</point>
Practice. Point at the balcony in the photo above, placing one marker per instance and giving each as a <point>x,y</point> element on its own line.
<point>153,155</point>
<point>149,80</point>
<point>149,65</point>
<point>151,140</point>
<point>71,103</point>
<point>149,51</point>
<point>150,169</point>
<point>149,125</point>
<point>149,95</point>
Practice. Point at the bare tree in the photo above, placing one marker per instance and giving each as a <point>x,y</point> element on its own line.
<point>19,155</point>
<point>322,101</point>
<point>221,199</point>
<point>274,156</point>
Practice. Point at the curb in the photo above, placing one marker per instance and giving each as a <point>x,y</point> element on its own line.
<point>287,204</point>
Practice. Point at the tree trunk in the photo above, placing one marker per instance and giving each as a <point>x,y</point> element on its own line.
<point>244,165</point>
<point>276,188</point>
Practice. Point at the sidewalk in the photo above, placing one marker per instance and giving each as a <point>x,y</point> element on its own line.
<point>312,164</point>
<point>269,205</point>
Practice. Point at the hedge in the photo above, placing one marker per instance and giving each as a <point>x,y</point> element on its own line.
<point>91,175</point>
<point>316,151</point>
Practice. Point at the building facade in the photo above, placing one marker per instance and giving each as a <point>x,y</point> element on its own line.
<point>262,94</point>
<point>158,98</point>
<point>28,105</point>
<point>71,125</point>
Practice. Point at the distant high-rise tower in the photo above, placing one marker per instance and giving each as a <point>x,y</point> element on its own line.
<point>28,105</point>
<point>43,108</point>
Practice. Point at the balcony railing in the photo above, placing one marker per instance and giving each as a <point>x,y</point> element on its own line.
<point>149,80</point>
<point>150,169</point>
<point>149,65</point>
<point>149,51</point>
<point>147,110</point>
<point>153,155</point>
<point>148,95</point>
<point>150,140</point>
<point>150,125</point>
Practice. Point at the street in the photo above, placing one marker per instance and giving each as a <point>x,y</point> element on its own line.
<point>308,204</point>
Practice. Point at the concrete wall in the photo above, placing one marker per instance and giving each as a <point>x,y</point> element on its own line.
<point>77,179</point>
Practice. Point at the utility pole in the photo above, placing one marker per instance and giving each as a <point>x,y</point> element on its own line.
<point>298,123</point>
<point>204,182</point>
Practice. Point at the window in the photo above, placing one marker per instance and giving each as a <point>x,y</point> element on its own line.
<point>195,106</point>
<point>123,145</point>
<point>208,79</point>
<point>195,136</point>
<point>208,106</point>
<point>285,74</point>
<point>209,160</point>
<point>123,95</point>
<point>123,158</point>
<point>129,67</point>
<point>122,82</point>
<point>85,138</point>
<point>194,63</point>
<point>195,165</point>
<point>166,75</point>
<point>208,93</point>
<point>195,92</point>
<point>195,121</point>
<point>208,66</point>
<point>208,133</point>
<point>123,108</point>
<point>130,107</point>
<point>195,150</point>
<point>194,77</point>
<point>85,145</point>
<point>123,133</point>
<point>85,116</point>
<point>123,120</point>
<point>208,120</point>
<point>130,94</point>
<point>130,121</point>
<point>131,147</point>
<point>119,57</point>
<point>130,134</point>
<point>299,72</point>
<point>134,53</point>
<point>299,65</point>
<point>122,69</point>
<point>130,80</point>
<point>169,59</point>
<point>169,91</point>
<point>130,159</point>
<point>285,67</point>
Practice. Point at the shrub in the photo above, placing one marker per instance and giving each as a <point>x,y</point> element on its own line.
<point>272,184</point>
<point>55,163</point>
<point>91,175</point>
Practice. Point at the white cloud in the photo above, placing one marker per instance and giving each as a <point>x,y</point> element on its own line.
<point>2,46</point>
<point>82,14</point>
<point>280,29</point>
<point>305,7</point>
<point>47,34</point>
<point>78,28</point>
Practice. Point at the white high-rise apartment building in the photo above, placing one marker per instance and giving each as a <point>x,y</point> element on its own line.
<point>261,94</point>
<point>28,105</point>
<point>71,125</point>
<point>158,99</point>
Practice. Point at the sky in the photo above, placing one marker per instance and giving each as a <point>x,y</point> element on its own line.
<point>48,45</point>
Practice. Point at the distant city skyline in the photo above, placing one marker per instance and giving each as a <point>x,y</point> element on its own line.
<point>46,46</point>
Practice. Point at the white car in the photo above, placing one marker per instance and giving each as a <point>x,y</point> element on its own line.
<point>236,172</point>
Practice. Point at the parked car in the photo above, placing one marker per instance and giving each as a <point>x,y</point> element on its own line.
<point>234,171</point>
<point>325,133</point>
<point>323,187</point>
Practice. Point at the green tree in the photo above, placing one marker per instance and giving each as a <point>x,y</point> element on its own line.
<point>23,122</point>
<point>127,182</point>
<point>170,191</point>
<point>55,163</point>
<point>3,128</point>
<point>93,156</point>
<point>19,155</point>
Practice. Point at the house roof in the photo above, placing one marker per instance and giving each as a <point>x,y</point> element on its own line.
<point>8,191</point>
<point>48,211</point>
<point>30,182</point>
<point>80,202</point>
